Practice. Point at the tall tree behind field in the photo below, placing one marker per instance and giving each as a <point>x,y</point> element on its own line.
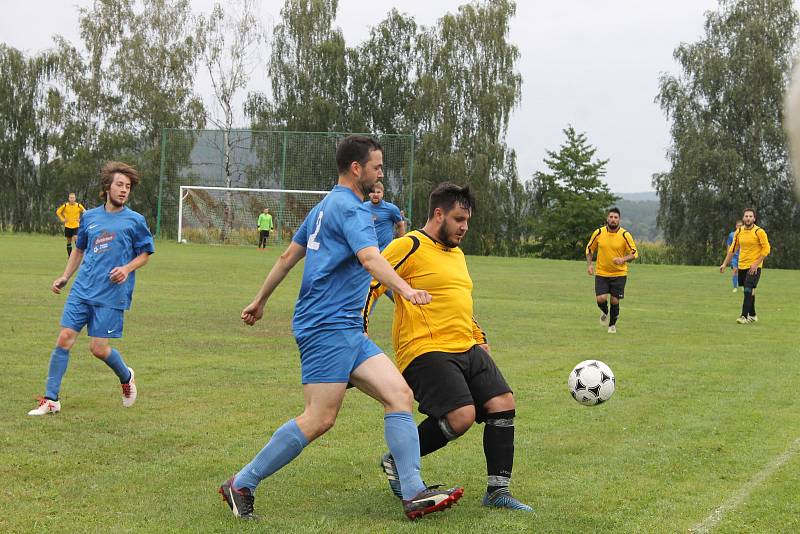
<point>24,130</point>
<point>728,151</point>
<point>307,71</point>
<point>466,88</point>
<point>136,78</point>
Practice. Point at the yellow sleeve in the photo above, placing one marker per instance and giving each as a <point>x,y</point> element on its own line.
<point>81,208</point>
<point>631,244</point>
<point>60,211</point>
<point>395,253</point>
<point>764,241</point>
<point>478,334</point>
<point>591,246</point>
<point>735,242</point>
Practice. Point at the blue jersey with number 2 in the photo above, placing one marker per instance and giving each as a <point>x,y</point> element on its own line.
<point>334,284</point>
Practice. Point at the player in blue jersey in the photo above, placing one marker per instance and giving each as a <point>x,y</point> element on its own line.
<point>735,257</point>
<point>341,254</point>
<point>113,241</point>
<point>386,217</point>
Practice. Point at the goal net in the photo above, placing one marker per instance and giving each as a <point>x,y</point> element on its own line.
<point>229,215</point>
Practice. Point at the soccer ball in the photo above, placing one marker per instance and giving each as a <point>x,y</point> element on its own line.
<point>591,382</point>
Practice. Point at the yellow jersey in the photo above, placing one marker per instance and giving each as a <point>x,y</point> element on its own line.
<point>751,243</point>
<point>610,245</point>
<point>70,214</point>
<point>447,323</point>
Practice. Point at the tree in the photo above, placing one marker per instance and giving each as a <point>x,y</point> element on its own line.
<point>570,200</point>
<point>231,40</point>
<point>466,87</point>
<point>728,151</point>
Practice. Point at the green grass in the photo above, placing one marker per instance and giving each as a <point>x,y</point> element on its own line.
<point>702,405</point>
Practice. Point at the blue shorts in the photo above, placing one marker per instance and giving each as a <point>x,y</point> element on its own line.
<point>735,262</point>
<point>330,356</point>
<point>102,322</point>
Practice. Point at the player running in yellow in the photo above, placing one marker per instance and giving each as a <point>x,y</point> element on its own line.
<point>751,243</point>
<point>69,213</point>
<point>442,352</point>
<point>615,247</point>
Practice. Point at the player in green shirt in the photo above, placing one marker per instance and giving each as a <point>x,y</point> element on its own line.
<point>264,228</point>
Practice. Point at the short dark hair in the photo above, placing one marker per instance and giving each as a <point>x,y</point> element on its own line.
<point>614,210</point>
<point>755,216</point>
<point>355,148</point>
<point>446,194</point>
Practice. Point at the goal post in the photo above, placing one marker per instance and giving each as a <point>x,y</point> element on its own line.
<point>229,215</point>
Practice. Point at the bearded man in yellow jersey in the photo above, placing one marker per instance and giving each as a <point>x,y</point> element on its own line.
<point>69,213</point>
<point>615,247</point>
<point>752,245</point>
<point>440,349</point>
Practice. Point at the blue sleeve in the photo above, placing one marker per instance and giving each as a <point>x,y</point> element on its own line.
<point>83,239</point>
<point>359,231</point>
<point>395,211</point>
<point>142,238</point>
<point>730,239</point>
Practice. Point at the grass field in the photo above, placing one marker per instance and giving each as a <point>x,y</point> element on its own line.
<point>702,433</point>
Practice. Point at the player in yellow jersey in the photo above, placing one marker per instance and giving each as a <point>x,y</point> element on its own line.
<point>440,349</point>
<point>615,247</point>
<point>751,243</point>
<point>69,213</point>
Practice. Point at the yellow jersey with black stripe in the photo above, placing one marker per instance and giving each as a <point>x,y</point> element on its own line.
<point>447,323</point>
<point>752,244</point>
<point>610,245</point>
<point>70,214</point>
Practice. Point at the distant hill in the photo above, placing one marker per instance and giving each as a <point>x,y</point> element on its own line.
<point>639,212</point>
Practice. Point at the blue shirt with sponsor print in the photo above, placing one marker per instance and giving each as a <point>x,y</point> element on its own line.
<point>108,240</point>
<point>384,215</point>
<point>335,284</point>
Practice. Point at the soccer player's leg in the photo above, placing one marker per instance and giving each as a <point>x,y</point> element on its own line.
<point>69,234</point>
<point>325,363</point>
<point>74,317</point>
<point>617,291</point>
<point>743,275</point>
<point>379,378</point>
<point>601,289</point>
<point>106,324</point>
<point>751,283</point>
<point>497,411</point>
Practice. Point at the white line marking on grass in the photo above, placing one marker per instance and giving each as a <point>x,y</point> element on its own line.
<point>738,498</point>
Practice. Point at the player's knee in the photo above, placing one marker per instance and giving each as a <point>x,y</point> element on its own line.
<point>500,403</point>
<point>601,299</point>
<point>99,350</point>
<point>401,398</point>
<point>748,290</point>
<point>66,340</point>
<point>457,422</point>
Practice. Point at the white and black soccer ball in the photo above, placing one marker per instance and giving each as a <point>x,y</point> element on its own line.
<point>591,382</point>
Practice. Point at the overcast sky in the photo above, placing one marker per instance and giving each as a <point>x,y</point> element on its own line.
<point>592,64</point>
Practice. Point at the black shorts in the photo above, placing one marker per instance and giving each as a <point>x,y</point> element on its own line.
<point>263,234</point>
<point>445,381</point>
<point>610,284</point>
<point>70,232</point>
<point>749,280</point>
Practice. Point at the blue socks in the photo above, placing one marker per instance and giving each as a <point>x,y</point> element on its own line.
<point>735,280</point>
<point>285,445</point>
<point>114,361</point>
<point>403,440</point>
<point>59,359</point>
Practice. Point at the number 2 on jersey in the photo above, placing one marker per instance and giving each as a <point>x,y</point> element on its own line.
<point>313,244</point>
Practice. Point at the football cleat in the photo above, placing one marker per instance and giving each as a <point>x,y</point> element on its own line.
<point>502,498</point>
<point>742,320</point>
<point>612,329</point>
<point>752,319</point>
<point>604,319</point>
<point>46,406</point>
<point>390,470</point>
<point>431,500</point>
<point>129,391</point>
<point>240,501</point>
<point>734,290</point>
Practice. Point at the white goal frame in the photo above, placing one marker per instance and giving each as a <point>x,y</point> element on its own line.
<point>182,195</point>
